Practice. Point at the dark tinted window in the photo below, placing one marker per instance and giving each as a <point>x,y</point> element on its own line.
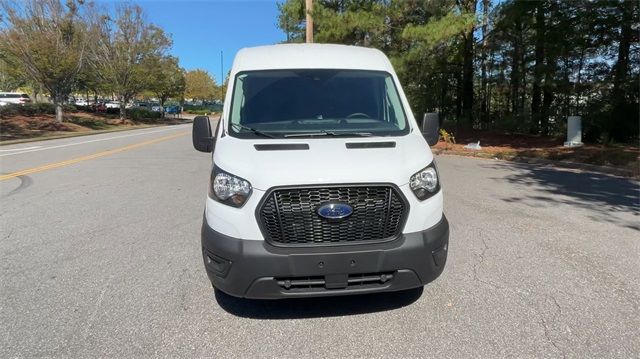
<point>282,102</point>
<point>14,95</point>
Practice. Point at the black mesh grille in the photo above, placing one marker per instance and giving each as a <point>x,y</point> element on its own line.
<point>289,216</point>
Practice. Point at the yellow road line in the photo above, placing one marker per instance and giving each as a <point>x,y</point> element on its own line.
<point>75,160</point>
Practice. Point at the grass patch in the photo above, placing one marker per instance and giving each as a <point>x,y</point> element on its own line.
<point>91,123</point>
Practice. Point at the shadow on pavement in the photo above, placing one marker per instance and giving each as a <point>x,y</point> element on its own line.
<point>607,196</point>
<point>302,308</point>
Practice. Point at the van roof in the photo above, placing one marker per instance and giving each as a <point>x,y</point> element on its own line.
<point>310,56</point>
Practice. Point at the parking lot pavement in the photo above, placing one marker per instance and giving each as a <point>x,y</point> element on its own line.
<point>102,258</point>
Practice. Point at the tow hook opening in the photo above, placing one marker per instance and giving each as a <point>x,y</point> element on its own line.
<point>440,255</point>
<point>217,265</point>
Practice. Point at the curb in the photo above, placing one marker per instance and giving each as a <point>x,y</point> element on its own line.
<point>620,172</point>
<point>83,134</point>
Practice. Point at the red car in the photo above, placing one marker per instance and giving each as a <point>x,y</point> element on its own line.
<point>98,106</point>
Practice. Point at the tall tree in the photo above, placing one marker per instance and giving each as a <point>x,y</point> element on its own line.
<point>168,80</point>
<point>483,60</point>
<point>49,41</point>
<point>468,7</point>
<point>126,50</point>
<point>290,18</point>
<point>199,84</point>
<point>537,61</point>
<point>10,76</point>
<point>623,120</point>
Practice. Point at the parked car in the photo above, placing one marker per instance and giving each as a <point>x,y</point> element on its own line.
<point>172,109</point>
<point>15,98</point>
<point>82,102</point>
<point>112,104</point>
<point>322,181</point>
<point>98,107</point>
<point>3,103</point>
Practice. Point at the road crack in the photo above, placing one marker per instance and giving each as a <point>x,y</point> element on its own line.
<point>479,263</point>
<point>545,326</point>
<point>9,235</point>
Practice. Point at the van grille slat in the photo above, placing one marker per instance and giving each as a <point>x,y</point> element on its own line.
<point>289,216</point>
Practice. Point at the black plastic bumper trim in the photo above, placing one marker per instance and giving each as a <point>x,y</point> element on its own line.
<point>255,266</point>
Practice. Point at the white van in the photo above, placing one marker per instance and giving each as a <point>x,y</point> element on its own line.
<point>322,183</point>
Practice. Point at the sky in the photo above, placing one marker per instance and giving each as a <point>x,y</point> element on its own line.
<point>202,29</point>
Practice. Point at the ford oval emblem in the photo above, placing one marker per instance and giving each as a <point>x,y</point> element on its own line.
<point>335,210</point>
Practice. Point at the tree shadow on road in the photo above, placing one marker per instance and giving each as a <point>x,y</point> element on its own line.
<point>303,308</point>
<point>609,198</point>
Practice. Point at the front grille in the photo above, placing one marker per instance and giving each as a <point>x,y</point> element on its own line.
<point>289,216</point>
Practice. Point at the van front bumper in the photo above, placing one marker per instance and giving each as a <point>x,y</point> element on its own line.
<point>256,269</point>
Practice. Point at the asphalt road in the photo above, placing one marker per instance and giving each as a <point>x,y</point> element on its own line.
<point>100,256</point>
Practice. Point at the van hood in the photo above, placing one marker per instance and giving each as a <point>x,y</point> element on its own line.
<point>308,161</point>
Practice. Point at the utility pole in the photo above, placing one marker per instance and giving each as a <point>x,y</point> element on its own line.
<point>309,23</point>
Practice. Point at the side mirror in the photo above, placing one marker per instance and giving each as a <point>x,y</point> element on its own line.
<point>431,128</point>
<point>201,134</point>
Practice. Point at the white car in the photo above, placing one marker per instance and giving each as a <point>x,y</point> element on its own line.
<point>82,102</point>
<point>322,182</point>
<point>14,98</point>
<point>112,104</point>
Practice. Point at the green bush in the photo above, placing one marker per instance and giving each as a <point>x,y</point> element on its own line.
<point>142,115</point>
<point>33,109</point>
<point>208,108</point>
<point>10,110</point>
<point>39,109</point>
<point>199,112</point>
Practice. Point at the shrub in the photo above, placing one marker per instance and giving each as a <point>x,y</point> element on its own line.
<point>33,109</point>
<point>199,112</point>
<point>142,115</point>
<point>10,110</point>
<point>41,108</point>
<point>446,136</point>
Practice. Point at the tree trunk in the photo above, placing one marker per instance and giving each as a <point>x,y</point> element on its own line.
<point>40,92</point>
<point>467,66</point>
<point>523,72</point>
<point>483,65</point>
<point>515,67</point>
<point>538,72</point>
<point>123,112</point>
<point>162,101</point>
<point>458,96</point>
<point>618,126</point>
<point>549,96</point>
<point>579,82</point>
<point>490,88</point>
<point>621,68</point>
<point>36,91</point>
<point>59,110</point>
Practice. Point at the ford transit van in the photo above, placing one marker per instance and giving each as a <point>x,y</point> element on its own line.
<point>322,181</point>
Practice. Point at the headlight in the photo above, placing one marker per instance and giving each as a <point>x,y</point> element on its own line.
<point>425,184</point>
<point>228,189</point>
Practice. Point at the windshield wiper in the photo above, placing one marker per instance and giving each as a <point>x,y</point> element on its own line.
<point>257,132</point>
<point>329,133</point>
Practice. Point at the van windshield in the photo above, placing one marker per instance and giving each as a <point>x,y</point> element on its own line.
<point>318,102</point>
